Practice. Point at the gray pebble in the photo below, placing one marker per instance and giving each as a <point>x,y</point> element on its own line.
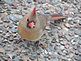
<point>1,31</point>
<point>1,10</point>
<point>79,41</point>
<point>80,22</point>
<point>67,25</point>
<point>33,56</point>
<point>15,17</point>
<point>9,1</point>
<point>56,1</point>
<point>61,47</point>
<point>44,1</point>
<point>77,58</point>
<point>14,29</point>
<point>1,2</point>
<point>68,37</point>
<point>1,22</point>
<point>16,59</point>
<point>29,1</point>
<point>77,32</point>
<point>79,49</point>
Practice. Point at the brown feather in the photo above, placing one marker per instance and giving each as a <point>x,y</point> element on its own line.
<point>58,17</point>
<point>34,11</point>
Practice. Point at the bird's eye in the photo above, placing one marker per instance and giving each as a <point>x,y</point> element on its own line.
<point>28,20</point>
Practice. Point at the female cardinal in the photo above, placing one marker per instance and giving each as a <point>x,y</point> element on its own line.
<point>32,26</point>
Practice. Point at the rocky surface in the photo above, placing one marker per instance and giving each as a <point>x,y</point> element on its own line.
<point>61,42</point>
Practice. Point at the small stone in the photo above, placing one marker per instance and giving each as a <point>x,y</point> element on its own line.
<point>79,49</point>
<point>14,5</point>
<point>77,58</point>
<point>1,22</point>
<point>55,1</point>
<point>5,25</point>
<point>9,1</point>
<point>46,52</point>
<point>41,58</point>
<point>33,56</point>
<point>67,25</point>
<point>15,17</point>
<point>54,59</point>
<point>20,59</point>
<point>14,29</point>
<point>71,33</point>
<point>10,55</point>
<point>16,59</point>
<point>59,28</point>
<point>43,1</point>
<point>64,28</point>
<point>14,35</point>
<point>70,18</point>
<point>5,40</point>
<point>19,17</point>
<point>73,41</point>
<point>1,31</point>
<point>2,50</point>
<point>12,17</point>
<point>7,34</point>
<point>79,22</point>
<point>1,2</point>
<point>69,59</point>
<point>79,42</point>
<point>71,55</point>
<point>1,10</point>
<point>6,20</point>
<point>47,27</point>
<point>11,38</point>
<point>76,21</point>
<point>45,46</point>
<point>61,39</point>
<point>61,47</point>
<point>77,31</point>
<point>68,37</point>
<point>67,46</point>
<point>16,24</point>
<point>71,22</point>
<point>64,51</point>
<point>29,1</point>
<point>80,34</point>
<point>76,52</point>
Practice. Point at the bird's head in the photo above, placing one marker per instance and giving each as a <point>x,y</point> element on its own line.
<point>31,21</point>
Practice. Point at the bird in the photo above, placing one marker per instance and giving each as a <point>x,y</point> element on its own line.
<point>32,26</point>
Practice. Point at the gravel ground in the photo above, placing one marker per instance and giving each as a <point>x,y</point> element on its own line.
<point>61,42</point>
